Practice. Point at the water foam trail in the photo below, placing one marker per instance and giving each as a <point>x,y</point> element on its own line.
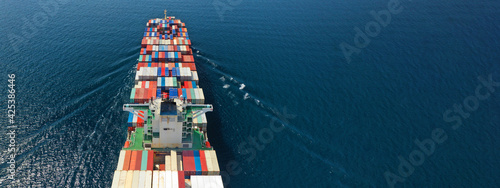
<point>270,111</point>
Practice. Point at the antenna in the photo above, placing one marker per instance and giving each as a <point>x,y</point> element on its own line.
<point>165,12</point>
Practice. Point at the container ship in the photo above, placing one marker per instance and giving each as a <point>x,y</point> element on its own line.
<point>167,143</point>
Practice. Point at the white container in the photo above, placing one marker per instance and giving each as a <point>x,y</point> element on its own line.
<point>202,97</point>
<point>175,179</point>
<point>130,178</point>
<point>135,180</point>
<point>142,179</point>
<point>156,178</point>
<point>116,179</point>
<point>197,96</point>
<point>123,179</point>
<point>194,76</point>
<point>179,163</point>
<point>168,165</point>
<point>149,179</point>
<point>173,160</point>
<point>161,179</point>
<point>215,163</point>
<point>168,179</point>
<point>208,158</point>
<point>121,160</point>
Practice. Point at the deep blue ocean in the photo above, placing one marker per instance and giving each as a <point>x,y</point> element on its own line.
<point>290,111</point>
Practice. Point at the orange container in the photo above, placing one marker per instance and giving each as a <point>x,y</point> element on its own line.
<point>138,160</point>
<point>126,162</point>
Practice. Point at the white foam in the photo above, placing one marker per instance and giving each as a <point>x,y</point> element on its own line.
<point>242,86</point>
<point>226,86</point>
<point>246,96</point>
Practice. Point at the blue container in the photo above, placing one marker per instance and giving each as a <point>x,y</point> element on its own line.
<point>194,84</point>
<point>174,71</point>
<point>149,58</point>
<point>173,32</point>
<point>130,119</point>
<point>197,162</point>
<point>162,82</point>
<point>149,64</point>
<point>158,93</point>
<point>166,72</point>
<point>145,34</point>
<point>159,73</point>
<point>184,93</point>
<point>172,93</point>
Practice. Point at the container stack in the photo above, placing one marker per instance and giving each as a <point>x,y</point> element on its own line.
<point>165,57</point>
<point>166,68</point>
<point>200,162</point>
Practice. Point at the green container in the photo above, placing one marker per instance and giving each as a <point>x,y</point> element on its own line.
<point>132,95</point>
<point>175,82</point>
<point>144,162</point>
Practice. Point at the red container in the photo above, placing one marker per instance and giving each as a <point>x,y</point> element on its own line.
<point>170,66</point>
<point>188,59</point>
<point>180,176</point>
<point>149,49</point>
<point>150,159</point>
<point>162,56</point>
<point>179,93</point>
<point>133,160</point>
<point>162,167</point>
<point>126,162</point>
<point>203,161</point>
<point>138,160</point>
<point>188,91</point>
<point>127,144</point>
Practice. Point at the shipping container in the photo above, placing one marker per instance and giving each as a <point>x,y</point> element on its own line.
<point>156,178</point>
<point>208,158</point>
<point>203,162</point>
<point>121,160</point>
<point>116,179</point>
<point>123,179</point>
<point>130,178</point>
<point>135,180</point>
<point>168,179</point>
<point>174,179</point>
<point>161,179</point>
<point>181,180</point>
<point>144,160</point>
<point>197,162</point>
<point>149,179</point>
<point>142,178</point>
<point>126,162</point>
<point>150,159</point>
<point>173,160</point>
<point>168,165</point>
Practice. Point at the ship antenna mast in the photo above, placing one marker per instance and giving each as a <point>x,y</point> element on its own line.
<point>165,14</point>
